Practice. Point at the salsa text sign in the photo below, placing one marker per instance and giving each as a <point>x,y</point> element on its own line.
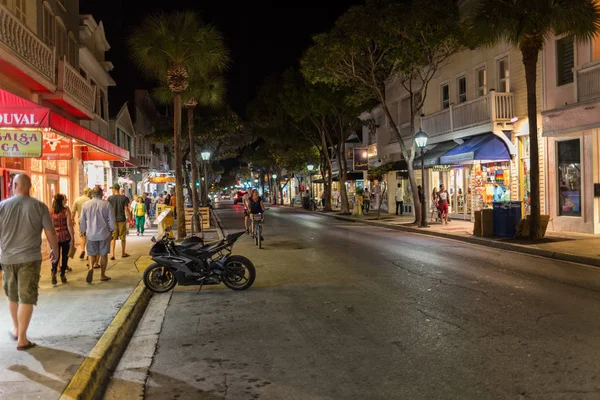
<point>56,147</point>
<point>361,160</point>
<point>17,143</point>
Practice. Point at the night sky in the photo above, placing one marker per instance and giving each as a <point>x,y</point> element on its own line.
<point>264,37</point>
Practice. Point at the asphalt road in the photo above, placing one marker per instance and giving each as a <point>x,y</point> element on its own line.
<point>342,310</point>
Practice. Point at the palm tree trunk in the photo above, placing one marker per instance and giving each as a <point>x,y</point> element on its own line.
<point>530,59</point>
<point>181,231</point>
<point>193,160</point>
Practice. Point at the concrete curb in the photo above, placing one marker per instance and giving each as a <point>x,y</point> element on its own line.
<point>592,261</point>
<point>90,379</point>
<point>218,226</point>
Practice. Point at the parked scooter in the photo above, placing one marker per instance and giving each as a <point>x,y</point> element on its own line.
<point>194,262</point>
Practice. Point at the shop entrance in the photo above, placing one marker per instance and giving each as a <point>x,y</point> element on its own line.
<point>52,188</point>
<point>460,192</point>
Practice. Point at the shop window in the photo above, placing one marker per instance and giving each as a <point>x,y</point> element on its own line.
<point>37,186</point>
<point>565,60</point>
<point>569,177</point>
<point>63,167</point>
<point>503,75</point>
<point>48,21</point>
<point>461,84</point>
<point>14,163</point>
<point>445,95</point>
<point>481,82</point>
<point>51,165</point>
<point>525,174</point>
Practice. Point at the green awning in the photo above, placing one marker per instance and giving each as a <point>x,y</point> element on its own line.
<point>432,156</point>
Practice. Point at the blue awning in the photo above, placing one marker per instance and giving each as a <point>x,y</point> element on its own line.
<point>488,147</point>
<point>432,156</point>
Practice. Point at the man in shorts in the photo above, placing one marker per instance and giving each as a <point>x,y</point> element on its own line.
<point>22,219</point>
<point>246,203</point>
<point>119,204</point>
<point>97,223</point>
<point>76,214</point>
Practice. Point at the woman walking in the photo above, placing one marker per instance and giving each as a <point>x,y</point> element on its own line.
<point>434,204</point>
<point>61,219</point>
<point>139,210</point>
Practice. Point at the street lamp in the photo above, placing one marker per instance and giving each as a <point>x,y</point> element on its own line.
<point>205,157</point>
<point>421,142</point>
<point>310,168</point>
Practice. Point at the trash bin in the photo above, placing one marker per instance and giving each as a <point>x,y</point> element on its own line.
<point>506,218</point>
<point>487,222</point>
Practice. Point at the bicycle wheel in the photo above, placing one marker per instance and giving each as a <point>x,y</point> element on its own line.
<point>259,236</point>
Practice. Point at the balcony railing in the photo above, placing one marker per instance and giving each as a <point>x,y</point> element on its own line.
<point>75,86</point>
<point>148,161</point>
<point>588,82</point>
<point>26,46</point>
<point>490,108</point>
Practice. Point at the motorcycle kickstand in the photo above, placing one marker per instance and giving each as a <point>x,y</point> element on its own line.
<point>198,292</point>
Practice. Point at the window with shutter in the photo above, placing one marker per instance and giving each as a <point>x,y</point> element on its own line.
<point>462,89</point>
<point>481,82</point>
<point>565,61</point>
<point>21,10</point>
<point>48,26</point>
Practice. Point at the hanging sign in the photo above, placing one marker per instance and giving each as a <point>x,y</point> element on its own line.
<point>361,160</point>
<point>56,147</point>
<point>161,179</point>
<point>17,143</point>
<point>442,168</point>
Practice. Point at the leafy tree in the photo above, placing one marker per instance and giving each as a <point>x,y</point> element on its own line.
<point>175,48</point>
<point>526,24</point>
<point>383,40</point>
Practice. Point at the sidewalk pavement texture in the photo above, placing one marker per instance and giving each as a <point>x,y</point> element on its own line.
<point>574,247</point>
<point>68,323</point>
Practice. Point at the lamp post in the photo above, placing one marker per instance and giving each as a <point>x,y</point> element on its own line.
<point>310,168</point>
<point>421,142</point>
<point>275,188</point>
<point>205,157</point>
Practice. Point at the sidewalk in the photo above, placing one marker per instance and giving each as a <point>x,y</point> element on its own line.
<point>67,323</point>
<point>575,247</point>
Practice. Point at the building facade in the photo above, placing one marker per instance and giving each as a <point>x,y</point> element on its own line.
<point>44,96</point>
<point>475,115</point>
<point>571,122</point>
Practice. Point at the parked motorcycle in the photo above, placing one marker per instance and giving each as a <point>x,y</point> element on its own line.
<point>194,262</point>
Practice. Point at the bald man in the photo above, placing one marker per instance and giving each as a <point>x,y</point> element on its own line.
<point>22,220</point>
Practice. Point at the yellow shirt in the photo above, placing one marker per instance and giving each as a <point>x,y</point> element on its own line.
<point>139,209</point>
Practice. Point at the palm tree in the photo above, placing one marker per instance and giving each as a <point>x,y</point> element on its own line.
<point>204,91</point>
<point>526,24</point>
<point>175,48</point>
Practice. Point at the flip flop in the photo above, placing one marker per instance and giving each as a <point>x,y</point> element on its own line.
<point>126,255</point>
<point>97,266</point>
<point>13,337</point>
<point>106,278</point>
<point>29,345</point>
<point>113,259</point>
<point>90,276</point>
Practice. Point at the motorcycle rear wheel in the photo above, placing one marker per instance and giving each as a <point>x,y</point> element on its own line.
<point>239,273</point>
<point>159,279</point>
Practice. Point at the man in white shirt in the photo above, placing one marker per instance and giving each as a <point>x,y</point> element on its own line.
<point>400,199</point>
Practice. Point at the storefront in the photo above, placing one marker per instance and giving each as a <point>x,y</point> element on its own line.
<point>48,147</point>
<point>478,174</point>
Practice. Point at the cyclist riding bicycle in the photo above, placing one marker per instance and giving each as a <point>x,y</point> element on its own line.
<point>256,206</point>
<point>246,203</point>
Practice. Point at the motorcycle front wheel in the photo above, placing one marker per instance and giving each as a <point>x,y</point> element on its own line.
<point>239,273</point>
<point>159,279</point>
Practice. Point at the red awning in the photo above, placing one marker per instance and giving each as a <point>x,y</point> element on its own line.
<point>131,163</point>
<point>16,112</point>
